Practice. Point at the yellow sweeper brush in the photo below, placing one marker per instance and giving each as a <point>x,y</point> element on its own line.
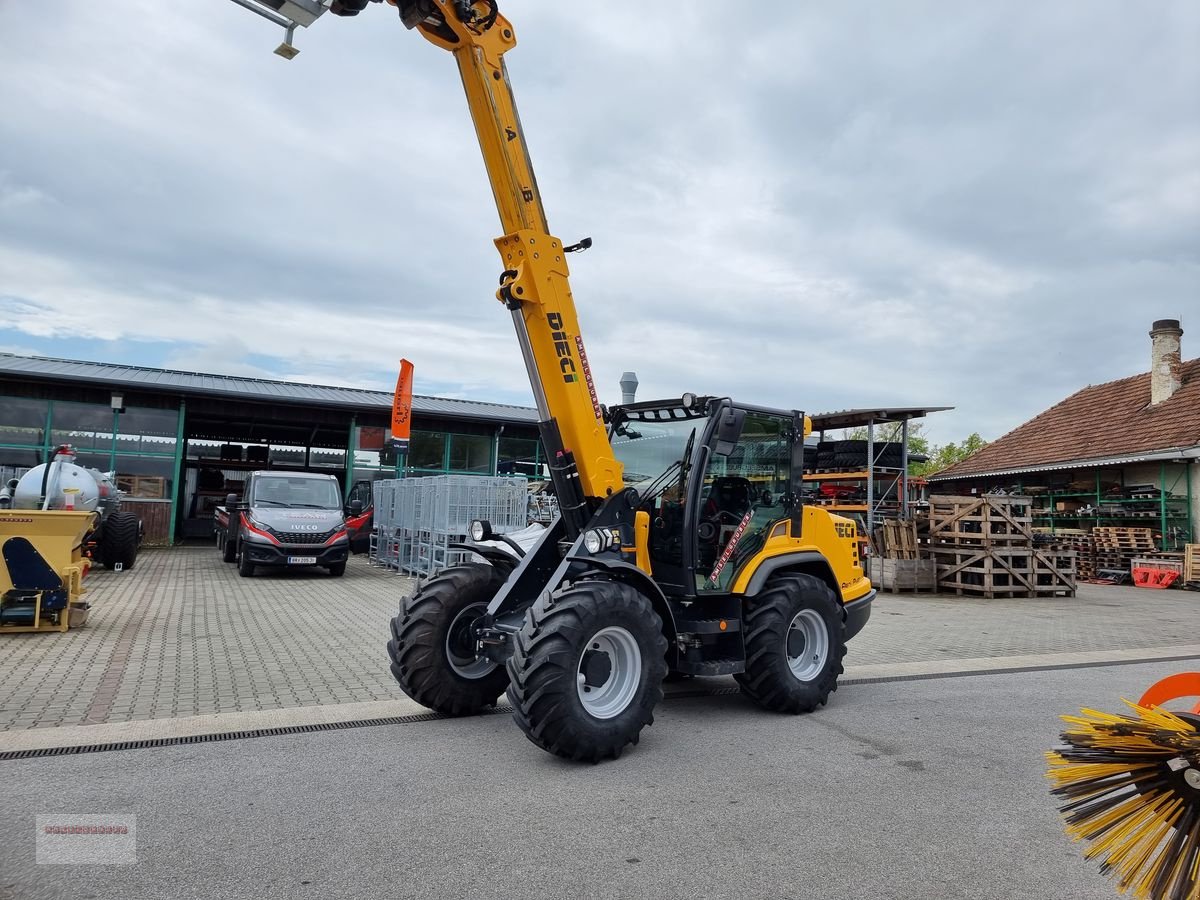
<point>1132,789</point>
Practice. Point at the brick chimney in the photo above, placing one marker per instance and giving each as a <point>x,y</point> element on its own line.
<point>1166,368</point>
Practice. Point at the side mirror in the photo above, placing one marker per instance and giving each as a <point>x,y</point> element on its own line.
<point>356,507</point>
<point>231,501</point>
<point>729,430</point>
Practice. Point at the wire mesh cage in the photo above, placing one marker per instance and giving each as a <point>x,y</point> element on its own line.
<point>417,519</point>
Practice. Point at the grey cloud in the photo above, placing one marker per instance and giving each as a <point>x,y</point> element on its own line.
<point>982,205</point>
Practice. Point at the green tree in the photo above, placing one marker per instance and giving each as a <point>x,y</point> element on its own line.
<point>940,456</point>
<point>947,455</point>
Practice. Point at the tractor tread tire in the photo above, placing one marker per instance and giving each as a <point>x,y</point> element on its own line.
<point>119,540</point>
<point>543,668</point>
<point>417,649</point>
<point>768,680</point>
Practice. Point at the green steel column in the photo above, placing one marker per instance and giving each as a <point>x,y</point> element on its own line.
<point>46,436</point>
<point>112,453</point>
<point>1187,469</point>
<point>1162,503</point>
<point>350,457</point>
<point>177,489</point>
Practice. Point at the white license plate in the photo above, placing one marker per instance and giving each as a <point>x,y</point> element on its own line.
<point>302,560</point>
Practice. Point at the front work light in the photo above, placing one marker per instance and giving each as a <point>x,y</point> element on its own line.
<point>593,541</point>
<point>481,530</point>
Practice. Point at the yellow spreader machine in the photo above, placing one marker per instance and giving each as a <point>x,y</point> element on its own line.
<point>41,581</point>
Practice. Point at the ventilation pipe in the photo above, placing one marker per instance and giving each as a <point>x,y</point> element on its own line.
<point>629,385</point>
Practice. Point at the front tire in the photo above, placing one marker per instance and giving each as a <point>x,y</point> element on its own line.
<point>587,670</point>
<point>245,567</point>
<point>228,549</point>
<point>795,641</point>
<point>432,650</point>
<point>337,570</point>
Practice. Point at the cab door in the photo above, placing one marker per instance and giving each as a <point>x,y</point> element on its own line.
<point>746,487</point>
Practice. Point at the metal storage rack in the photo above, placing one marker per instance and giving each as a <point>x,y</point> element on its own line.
<point>887,489</point>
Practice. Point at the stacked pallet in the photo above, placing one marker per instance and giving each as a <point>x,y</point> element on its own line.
<point>898,564</point>
<point>984,547</point>
<point>1117,546</point>
<point>1075,539</point>
<point>1191,564</point>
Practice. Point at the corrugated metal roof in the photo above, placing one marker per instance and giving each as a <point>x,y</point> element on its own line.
<point>1183,454</point>
<point>198,383</point>
<point>853,418</point>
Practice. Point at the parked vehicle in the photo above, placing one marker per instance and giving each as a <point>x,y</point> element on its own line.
<point>359,525</point>
<point>285,519</point>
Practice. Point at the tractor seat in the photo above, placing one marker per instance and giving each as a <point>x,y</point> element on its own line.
<point>730,494</point>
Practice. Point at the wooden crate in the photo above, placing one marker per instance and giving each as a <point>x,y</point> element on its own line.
<point>983,521</point>
<point>1191,563</point>
<point>149,487</point>
<point>897,539</point>
<point>903,574</point>
<point>1005,571</point>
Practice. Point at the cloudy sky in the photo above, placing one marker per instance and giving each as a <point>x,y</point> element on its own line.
<point>981,205</point>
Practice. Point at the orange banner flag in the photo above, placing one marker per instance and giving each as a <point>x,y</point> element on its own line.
<point>402,408</point>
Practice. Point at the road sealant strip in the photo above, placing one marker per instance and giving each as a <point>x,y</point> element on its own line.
<point>74,739</point>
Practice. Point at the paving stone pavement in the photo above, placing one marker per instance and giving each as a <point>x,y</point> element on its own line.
<point>183,635</point>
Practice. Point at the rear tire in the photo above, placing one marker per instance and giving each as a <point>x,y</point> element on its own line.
<point>431,652</point>
<point>587,670</point>
<point>245,567</point>
<point>795,641</point>
<point>119,540</point>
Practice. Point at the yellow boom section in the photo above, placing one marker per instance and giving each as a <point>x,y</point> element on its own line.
<point>535,283</point>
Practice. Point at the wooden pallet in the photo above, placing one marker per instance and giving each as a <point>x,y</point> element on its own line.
<point>1120,537</point>
<point>980,521</point>
<point>1191,563</point>
<point>1005,572</point>
<point>897,539</point>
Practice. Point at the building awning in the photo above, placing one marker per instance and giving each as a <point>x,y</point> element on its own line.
<point>1179,454</point>
<point>856,418</point>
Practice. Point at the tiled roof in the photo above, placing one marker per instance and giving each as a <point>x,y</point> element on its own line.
<point>197,383</point>
<point>1102,420</point>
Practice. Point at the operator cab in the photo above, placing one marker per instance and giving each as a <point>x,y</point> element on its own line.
<point>715,477</point>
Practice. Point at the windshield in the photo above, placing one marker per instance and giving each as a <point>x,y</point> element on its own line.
<point>300,493</point>
<point>649,449</point>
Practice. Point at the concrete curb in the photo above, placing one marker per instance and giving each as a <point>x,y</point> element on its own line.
<point>224,723</point>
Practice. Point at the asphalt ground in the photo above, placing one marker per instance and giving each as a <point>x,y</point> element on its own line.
<point>904,789</point>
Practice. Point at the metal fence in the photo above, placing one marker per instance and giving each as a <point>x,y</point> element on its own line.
<point>417,519</point>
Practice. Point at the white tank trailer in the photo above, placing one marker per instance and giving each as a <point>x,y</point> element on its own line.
<point>62,485</point>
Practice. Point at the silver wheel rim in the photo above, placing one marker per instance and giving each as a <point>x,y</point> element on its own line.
<point>605,698</point>
<point>808,637</point>
<point>467,666</point>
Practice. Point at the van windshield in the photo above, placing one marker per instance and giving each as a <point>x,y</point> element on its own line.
<point>298,493</point>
